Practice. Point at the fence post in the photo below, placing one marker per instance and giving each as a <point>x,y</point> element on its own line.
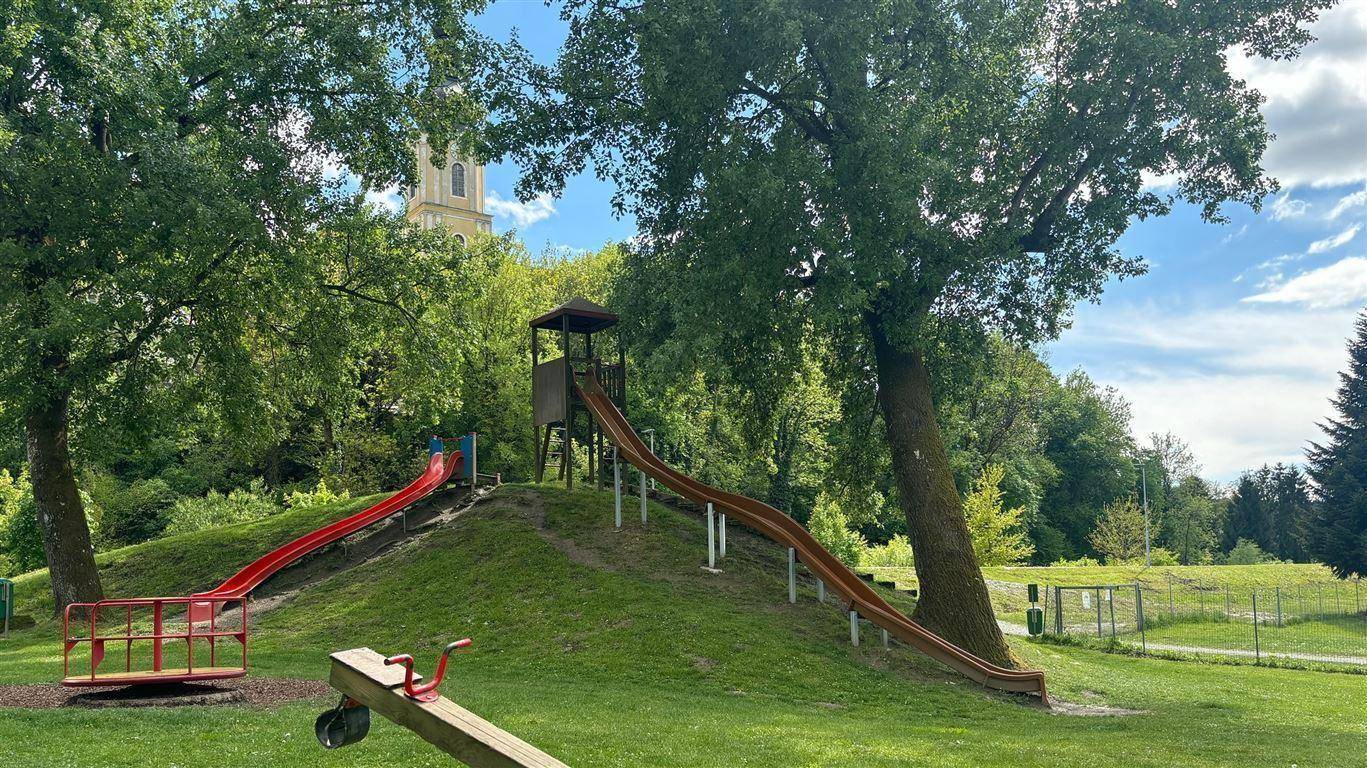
<point>1257,649</point>
<point>1058,610</point>
<point>1279,606</point>
<point>1171,611</point>
<point>1139,612</point>
<point>1110,599</point>
<point>1098,611</point>
<point>792,575</point>
<point>1358,595</point>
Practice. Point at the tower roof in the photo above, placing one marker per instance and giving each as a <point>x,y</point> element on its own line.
<point>584,317</point>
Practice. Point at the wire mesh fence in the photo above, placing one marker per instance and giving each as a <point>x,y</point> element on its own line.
<point>1317,623</point>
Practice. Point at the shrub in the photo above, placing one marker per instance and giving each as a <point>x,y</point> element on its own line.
<point>830,526</point>
<point>894,554</point>
<point>130,513</point>
<point>21,543</point>
<point>316,498</point>
<point>1081,562</point>
<point>1247,552</point>
<point>998,534</point>
<point>1119,532</point>
<point>214,510</point>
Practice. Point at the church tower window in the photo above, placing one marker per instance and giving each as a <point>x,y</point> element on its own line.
<point>458,179</point>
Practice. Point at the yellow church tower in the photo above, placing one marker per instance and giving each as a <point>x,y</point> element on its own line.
<point>448,194</point>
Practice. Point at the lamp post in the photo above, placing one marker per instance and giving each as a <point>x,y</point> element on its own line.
<point>1144,493</point>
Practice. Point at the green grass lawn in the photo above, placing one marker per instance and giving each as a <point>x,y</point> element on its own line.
<point>613,648</point>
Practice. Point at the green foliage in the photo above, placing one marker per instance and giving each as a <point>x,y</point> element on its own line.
<point>1337,533</point>
<point>129,512</point>
<point>830,526</point>
<point>1245,552</point>
<point>1081,562</point>
<point>998,537</point>
<point>21,544</point>
<point>215,510</point>
<point>896,553</point>
<point>319,496</point>
<point>1119,533</point>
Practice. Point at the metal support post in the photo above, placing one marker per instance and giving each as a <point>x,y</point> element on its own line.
<point>617,485</point>
<point>643,496</point>
<point>1257,648</point>
<point>711,538</point>
<point>1097,591</point>
<point>721,536</point>
<point>854,628</point>
<point>885,638</point>
<point>792,575</point>
<point>820,590</point>
<point>1139,611</point>
<point>1279,606</point>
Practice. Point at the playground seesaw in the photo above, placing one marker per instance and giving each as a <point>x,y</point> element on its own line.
<point>369,681</point>
<point>89,629</point>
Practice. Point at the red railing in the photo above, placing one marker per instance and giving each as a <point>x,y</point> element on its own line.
<point>97,636</point>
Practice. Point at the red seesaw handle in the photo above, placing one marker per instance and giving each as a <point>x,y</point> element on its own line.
<point>426,691</point>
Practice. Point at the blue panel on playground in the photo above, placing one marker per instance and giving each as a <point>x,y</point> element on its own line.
<point>467,449</point>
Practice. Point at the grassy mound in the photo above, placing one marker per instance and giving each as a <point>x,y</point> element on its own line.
<point>613,648</point>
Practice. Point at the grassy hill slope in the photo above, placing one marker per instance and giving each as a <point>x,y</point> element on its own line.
<point>613,648</point>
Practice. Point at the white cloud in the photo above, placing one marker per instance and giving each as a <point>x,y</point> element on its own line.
<point>1330,243</point>
<point>1287,207</point>
<point>523,214</point>
<point>1317,102</point>
<point>1244,385</point>
<point>387,198</point>
<point>1348,202</point>
<point>1341,284</point>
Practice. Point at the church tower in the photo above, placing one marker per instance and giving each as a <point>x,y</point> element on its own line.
<point>449,194</point>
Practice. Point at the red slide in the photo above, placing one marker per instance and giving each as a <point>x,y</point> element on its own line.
<point>822,564</point>
<point>200,626</point>
<point>250,577</point>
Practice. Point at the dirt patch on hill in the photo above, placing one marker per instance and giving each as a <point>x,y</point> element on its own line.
<point>532,508</point>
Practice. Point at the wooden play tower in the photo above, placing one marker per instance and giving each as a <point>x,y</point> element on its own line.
<point>558,417</point>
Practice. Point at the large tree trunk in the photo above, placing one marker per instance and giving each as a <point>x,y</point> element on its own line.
<point>61,516</point>
<point>953,596</point>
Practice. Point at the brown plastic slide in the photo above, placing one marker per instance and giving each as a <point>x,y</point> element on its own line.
<point>822,564</point>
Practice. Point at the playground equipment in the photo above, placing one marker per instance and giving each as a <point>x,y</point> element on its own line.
<point>369,681</point>
<point>175,619</point>
<point>584,377</point>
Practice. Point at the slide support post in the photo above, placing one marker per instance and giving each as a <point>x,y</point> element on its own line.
<point>721,536</point>
<point>854,628</point>
<point>792,575</point>
<point>885,638</point>
<point>617,485</point>
<point>643,497</point>
<point>820,590</point>
<point>711,538</point>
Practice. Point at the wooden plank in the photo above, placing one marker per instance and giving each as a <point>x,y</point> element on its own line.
<point>360,673</point>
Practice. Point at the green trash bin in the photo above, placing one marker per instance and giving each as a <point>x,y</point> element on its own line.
<point>6,605</point>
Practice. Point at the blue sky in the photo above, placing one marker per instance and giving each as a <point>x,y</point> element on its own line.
<point>1234,338</point>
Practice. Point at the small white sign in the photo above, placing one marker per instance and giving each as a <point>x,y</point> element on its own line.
<point>1086,599</point>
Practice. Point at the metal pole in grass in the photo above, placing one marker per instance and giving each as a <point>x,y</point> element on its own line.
<point>854,628</point>
<point>1058,610</point>
<point>885,638</point>
<point>792,576</point>
<point>1110,600</point>
<point>1139,612</point>
<point>721,535</point>
<point>1358,595</point>
<point>642,478</point>
<point>617,485</point>
<point>1257,648</point>
<point>711,539</point>
<point>1098,611</point>
<point>1279,606</point>
<point>820,590</point>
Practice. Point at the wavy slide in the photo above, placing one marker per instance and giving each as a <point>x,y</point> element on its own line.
<point>825,566</point>
<point>244,581</point>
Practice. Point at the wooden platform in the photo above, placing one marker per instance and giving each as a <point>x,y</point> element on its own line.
<point>361,674</point>
<point>147,676</point>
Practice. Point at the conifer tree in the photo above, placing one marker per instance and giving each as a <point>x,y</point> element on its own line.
<point>1338,531</point>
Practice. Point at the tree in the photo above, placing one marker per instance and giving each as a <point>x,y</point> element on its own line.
<point>998,536</point>
<point>1192,520</point>
<point>161,164</point>
<point>1338,530</point>
<point>1119,532</point>
<point>1248,516</point>
<point>898,175</point>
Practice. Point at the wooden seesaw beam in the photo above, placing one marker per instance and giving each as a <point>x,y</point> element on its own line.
<point>361,674</point>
